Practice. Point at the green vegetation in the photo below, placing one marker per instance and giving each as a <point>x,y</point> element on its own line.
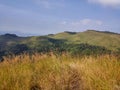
<point>108,40</point>
<point>86,49</point>
<point>84,43</point>
<point>48,72</point>
<point>88,60</point>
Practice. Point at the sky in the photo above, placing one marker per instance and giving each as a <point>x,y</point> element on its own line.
<point>41,17</point>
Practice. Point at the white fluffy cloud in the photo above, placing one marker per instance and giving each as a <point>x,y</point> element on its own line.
<point>111,3</point>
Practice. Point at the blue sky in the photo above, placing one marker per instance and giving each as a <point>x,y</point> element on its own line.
<point>39,17</point>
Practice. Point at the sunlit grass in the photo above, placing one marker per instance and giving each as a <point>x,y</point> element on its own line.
<point>48,72</point>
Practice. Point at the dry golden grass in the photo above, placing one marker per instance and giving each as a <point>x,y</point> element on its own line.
<point>48,72</point>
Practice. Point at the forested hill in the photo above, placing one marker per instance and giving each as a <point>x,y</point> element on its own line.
<point>86,42</point>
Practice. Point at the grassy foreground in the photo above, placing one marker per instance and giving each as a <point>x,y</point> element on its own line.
<point>44,72</point>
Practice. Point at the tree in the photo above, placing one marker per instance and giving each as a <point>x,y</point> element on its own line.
<point>19,48</point>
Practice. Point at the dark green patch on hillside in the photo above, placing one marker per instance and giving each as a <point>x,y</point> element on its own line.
<point>107,32</point>
<point>83,43</point>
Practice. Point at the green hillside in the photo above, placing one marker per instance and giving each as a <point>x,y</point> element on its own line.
<point>83,43</point>
<point>9,40</point>
<point>107,39</point>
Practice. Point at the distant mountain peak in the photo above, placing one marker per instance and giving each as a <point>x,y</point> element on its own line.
<point>10,35</point>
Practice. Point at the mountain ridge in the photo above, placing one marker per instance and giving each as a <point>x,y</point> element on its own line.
<point>89,42</point>
<point>107,39</point>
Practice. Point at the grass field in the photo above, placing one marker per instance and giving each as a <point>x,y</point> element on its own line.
<point>48,72</point>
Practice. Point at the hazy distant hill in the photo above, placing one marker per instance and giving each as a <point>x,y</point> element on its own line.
<point>9,40</point>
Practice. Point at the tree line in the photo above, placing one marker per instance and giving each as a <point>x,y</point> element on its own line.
<point>57,48</point>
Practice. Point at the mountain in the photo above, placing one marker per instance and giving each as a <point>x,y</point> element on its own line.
<point>106,39</point>
<point>88,42</point>
<point>8,41</point>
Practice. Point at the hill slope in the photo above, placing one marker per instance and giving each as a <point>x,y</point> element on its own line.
<point>107,39</point>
